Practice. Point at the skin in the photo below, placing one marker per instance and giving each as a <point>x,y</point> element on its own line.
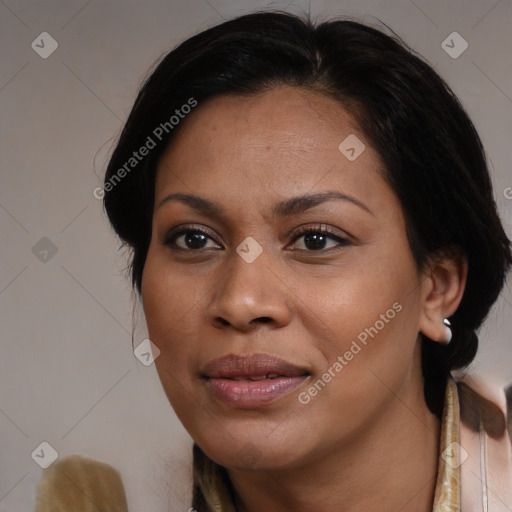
<point>368,436</point>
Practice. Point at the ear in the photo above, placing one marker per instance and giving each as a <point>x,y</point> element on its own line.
<point>444,280</point>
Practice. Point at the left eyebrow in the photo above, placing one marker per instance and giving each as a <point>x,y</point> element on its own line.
<point>285,208</point>
<point>305,202</point>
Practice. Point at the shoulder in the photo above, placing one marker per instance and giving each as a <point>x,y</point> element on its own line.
<point>75,482</point>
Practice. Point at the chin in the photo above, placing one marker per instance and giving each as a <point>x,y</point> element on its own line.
<point>253,449</point>
<point>251,457</point>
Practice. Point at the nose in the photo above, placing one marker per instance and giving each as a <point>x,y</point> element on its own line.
<point>247,295</point>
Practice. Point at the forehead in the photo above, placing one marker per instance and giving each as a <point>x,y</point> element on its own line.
<point>294,117</point>
<point>285,139</point>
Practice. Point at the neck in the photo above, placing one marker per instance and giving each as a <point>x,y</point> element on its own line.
<point>379,468</point>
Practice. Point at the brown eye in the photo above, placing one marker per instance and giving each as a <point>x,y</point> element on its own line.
<point>188,239</point>
<point>319,239</point>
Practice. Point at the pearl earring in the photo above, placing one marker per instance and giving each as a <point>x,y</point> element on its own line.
<point>447,332</point>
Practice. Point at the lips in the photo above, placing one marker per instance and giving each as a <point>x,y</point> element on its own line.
<point>254,367</point>
<point>251,381</point>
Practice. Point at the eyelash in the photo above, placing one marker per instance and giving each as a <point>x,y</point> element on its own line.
<point>170,238</point>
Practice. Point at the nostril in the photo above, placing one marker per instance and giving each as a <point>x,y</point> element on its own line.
<point>263,319</point>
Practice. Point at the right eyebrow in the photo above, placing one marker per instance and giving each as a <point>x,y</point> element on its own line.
<point>200,204</point>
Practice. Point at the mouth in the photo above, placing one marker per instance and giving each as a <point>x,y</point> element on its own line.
<point>252,381</point>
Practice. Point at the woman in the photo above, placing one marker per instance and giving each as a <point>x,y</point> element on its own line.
<point>315,243</point>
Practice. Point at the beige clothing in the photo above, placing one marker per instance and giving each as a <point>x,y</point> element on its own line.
<point>475,465</point>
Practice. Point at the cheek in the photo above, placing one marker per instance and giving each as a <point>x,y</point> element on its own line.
<point>352,299</point>
<point>364,359</point>
<point>171,308</point>
<point>364,322</point>
<point>170,299</point>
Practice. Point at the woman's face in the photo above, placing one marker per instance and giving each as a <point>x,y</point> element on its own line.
<point>279,346</point>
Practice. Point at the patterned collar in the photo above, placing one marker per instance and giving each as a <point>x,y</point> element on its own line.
<point>447,494</point>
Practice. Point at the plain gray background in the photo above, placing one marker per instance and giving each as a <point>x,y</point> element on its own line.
<point>68,375</point>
